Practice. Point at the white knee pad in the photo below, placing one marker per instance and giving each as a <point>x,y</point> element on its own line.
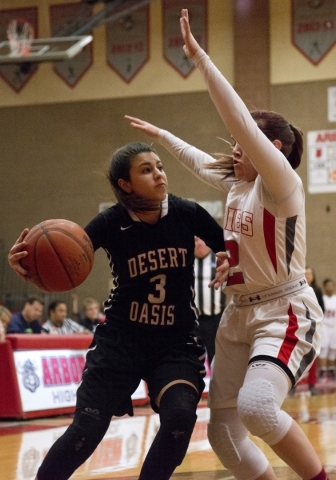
<point>259,410</point>
<point>236,451</point>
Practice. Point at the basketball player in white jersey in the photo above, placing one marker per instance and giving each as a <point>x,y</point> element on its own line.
<point>327,359</point>
<point>270,331</point>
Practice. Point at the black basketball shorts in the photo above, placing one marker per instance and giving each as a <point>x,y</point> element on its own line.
<point>117,361</point>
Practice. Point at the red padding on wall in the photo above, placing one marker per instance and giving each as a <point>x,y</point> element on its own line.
<point>10,401</point>
<point>34,341</point>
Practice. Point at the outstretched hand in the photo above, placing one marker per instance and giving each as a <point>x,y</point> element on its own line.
<point>16,253</point>
<point>222,270</point>
<point>150,130</point>
<point>190,46</point>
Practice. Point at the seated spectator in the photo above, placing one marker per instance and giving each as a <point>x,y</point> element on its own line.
<point>59,323</point>
<point>92,315</point>
<point>5,318</point>
<point>28,320</point>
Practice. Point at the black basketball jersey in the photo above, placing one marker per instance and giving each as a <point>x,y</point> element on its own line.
<point>153,265</point>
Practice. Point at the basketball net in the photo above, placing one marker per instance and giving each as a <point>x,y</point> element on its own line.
<point>20,34</point>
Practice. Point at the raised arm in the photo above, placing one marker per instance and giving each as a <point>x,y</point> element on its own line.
<point>275,171</point>
<point>150,130</point>
<point>191,157</point>
<point>190,47</point>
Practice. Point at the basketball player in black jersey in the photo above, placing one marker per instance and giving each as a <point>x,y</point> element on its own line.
<point>150,315</point>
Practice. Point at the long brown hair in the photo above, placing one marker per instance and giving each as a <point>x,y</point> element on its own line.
<point>275,127</point>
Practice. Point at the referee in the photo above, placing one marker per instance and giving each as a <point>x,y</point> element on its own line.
<point>210,302</point>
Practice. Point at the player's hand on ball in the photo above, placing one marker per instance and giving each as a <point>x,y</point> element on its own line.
<point>17,252</point>
<point>222,270</point>
<point>151,130</point>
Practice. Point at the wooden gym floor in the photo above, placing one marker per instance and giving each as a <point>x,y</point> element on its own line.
<point>120,455</point>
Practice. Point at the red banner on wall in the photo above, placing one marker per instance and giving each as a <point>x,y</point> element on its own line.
<point>172,38</point>
<point>314,27</point>
<point>17,75</point>
<point>65,20</point>
<point>127,42</point>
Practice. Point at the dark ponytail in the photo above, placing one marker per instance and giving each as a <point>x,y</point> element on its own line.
<point>294,157</point>
<point>275,127</point>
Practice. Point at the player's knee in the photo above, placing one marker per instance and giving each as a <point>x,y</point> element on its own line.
<point>179,424</point>
<point>75,446</point>
<point>260,412</point>
<point>176,428</point>
<point>178,419</point>
<point>236,451</point>
<point>222,444</point>
<point>178,406</point>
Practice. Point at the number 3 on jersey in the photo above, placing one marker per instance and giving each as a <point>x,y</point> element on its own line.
<point>236,277</point>
<point>160,284</point>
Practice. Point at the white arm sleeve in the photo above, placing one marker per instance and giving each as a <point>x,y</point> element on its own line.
<point>277,175</point>
<point>194,160</point>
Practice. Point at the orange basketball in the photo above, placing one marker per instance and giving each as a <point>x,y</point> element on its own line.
<point>60,255</point>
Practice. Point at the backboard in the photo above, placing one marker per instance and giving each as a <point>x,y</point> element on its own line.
<point>46,50</point>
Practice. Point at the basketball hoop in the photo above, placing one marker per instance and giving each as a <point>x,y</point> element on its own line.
<point>20,34</point>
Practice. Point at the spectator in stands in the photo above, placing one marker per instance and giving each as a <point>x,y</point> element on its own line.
<point>311,279</point>
<point>28,320</point>
<point>5,318</point>
<point>312,374</point>
<point>58,322</point>
<point>327,359</point>
<point>91,314</point>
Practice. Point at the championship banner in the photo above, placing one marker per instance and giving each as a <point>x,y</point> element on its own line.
<point>172,38</point>
<point>314,27</point>
<point>65,20</point>
<point>127,41</point>
<point>17,75</point>
<point>321,161</point>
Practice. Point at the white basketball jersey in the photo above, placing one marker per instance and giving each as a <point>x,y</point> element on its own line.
<point>264,223</point>
<point>265,249</point>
